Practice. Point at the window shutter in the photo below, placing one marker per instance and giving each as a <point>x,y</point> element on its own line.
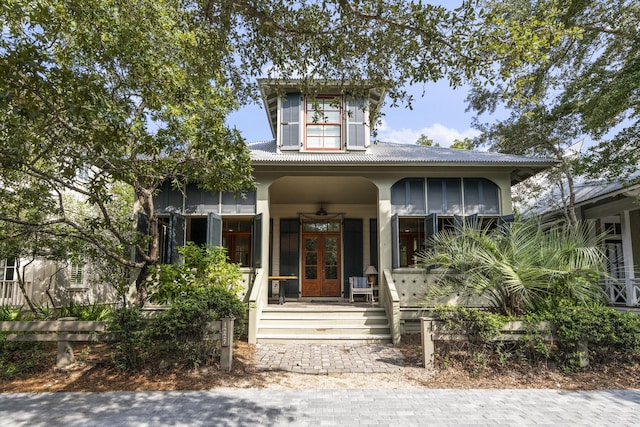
<point>176,236</point>
<point>353,245</point>
<point>357,132</point>
<point>256,242</point>
<point>430,228</point>
<point>373,242</point>
<point>290,122</point>
<point>290,254</point>
<point>214,229</point>
<point>395,242</point>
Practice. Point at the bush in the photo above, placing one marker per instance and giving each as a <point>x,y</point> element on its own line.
<point>200,291</point>
<point>95,311</point>
<point>521,267</point>
<point>611,336</point>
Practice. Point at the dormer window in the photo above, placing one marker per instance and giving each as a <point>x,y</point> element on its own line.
<point>323,123</point>
<point>328,118</point>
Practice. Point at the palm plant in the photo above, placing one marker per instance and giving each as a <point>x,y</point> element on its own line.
<point>517,267</point>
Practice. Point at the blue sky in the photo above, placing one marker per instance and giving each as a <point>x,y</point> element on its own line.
<point>439,114</point>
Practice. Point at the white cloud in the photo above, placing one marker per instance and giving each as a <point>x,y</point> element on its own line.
<point>439,133</point>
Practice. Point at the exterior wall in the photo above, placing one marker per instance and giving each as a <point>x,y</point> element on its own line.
<point>48,282</point>
<point>379,208</point>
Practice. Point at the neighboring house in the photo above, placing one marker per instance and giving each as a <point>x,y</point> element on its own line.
<point>329,203</point>
<point>49,283</point>
<point>614,210</point>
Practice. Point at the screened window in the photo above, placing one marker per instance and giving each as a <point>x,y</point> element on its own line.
<point>239,202</point>
<point>323,123</point>
<point>407,197</point>
<point>480,197</point>
<point>444,196</point>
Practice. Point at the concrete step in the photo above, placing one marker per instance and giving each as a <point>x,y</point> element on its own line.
<point>274,338</point>
<point>337,321</point>
<point>323,323</point>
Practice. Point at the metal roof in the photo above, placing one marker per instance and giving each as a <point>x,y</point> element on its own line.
<point>394,154</point>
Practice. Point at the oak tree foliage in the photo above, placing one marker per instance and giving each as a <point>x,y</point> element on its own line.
<point>97,93</point>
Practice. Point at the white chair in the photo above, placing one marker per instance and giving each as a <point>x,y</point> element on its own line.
<point>360,286</point>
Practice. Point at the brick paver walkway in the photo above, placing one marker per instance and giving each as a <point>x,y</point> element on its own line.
<point>315,408</point>
<point>326,359</point>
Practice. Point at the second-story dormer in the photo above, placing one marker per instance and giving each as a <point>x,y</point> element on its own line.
<point>328,118</point>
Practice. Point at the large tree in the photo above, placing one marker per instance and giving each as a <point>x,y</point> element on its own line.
<point>586,88</point>
<point>97,92</point>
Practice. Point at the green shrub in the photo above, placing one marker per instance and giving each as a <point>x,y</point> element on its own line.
<point>517,268</point>
<point>202,267</point>
<point>10,313</point>
<point>18,358</point>
<point>95,311</point>
<point>200,291</point>
<point>611,336</point>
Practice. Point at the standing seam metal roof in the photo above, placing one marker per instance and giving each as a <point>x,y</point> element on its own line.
<point>392,153</point>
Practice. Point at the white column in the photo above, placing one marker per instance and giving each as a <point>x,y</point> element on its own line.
<point>627,251</point>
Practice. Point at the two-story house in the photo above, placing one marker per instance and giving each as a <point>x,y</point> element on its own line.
<point>329,203</point>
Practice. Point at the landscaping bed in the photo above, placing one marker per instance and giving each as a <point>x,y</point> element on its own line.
<point>94,372</point>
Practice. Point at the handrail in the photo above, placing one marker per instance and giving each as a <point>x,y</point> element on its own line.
<point>258,299</point>
<point>391,302</point>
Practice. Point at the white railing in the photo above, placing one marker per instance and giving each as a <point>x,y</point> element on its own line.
<point>634,286</point>
<point>10,293</point>
<point>258,299</point>
<point>624,291</point>
<point>389,299</point>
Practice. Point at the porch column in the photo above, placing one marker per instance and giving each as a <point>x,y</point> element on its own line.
<point>259,295</point>
<point>384,226</point>
<point>627,250</point>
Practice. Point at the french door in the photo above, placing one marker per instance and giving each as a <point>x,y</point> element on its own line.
<point>321,265</point>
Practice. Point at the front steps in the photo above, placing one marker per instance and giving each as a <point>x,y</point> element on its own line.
<point>323,324</point>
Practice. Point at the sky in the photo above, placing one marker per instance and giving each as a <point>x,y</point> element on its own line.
<point>439,114</point>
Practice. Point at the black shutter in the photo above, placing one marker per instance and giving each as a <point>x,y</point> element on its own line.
<point>290,125</point>
<point>430,228</point>
<point>373,242</point>
<point>395,242</point>
<point>176,236</point>
<point>290,254</point>
<point>353,251</point>
<point>214,229</point>
<point>256,242</point>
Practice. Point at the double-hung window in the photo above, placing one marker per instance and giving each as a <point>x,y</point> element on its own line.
<point>323,123</point>
<point>8,277</point>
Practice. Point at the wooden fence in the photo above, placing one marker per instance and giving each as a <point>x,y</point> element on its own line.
<point>67,330</point>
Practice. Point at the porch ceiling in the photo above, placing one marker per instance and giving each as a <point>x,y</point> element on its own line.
<point>322,189</point>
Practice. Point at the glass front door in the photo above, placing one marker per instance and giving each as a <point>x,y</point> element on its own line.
<point>321,264</point>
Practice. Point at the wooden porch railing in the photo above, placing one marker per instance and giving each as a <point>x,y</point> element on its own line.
<point>258,299</point>
<point>389,299</point>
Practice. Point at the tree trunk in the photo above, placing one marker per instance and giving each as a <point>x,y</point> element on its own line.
<point>152,255</point>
